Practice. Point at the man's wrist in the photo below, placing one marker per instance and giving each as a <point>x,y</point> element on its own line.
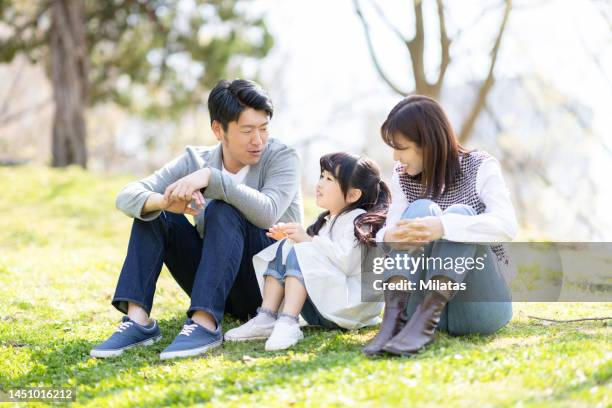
<point>206,174</point>
<point>152,203</point>
<point>157,203</point>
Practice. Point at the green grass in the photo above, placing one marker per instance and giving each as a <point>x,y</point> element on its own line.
<point>62,244</point>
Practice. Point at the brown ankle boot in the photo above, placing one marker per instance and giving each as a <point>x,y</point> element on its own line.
<point>393,320</point>
<point>420,329</point>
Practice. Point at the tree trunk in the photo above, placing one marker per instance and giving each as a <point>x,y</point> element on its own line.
<point>68,60</point>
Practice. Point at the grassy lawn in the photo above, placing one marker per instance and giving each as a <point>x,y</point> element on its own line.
<point>62,244</point>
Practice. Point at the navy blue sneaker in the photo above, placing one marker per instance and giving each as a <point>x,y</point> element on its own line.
<point>193,340</point>
<point>129,334</point>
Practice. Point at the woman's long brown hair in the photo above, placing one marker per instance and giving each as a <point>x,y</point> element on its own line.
<point>422,120</point>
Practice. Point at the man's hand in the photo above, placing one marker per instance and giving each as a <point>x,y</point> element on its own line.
<point>157,202</point>
<point>181,206</point>
<point>184,189</point>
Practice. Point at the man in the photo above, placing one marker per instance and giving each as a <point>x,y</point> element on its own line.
<point>239,189</point>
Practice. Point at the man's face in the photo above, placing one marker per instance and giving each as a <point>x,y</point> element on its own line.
<point>244,141</point>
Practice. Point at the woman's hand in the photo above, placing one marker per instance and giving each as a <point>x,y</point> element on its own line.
<point>415,230</point>
<point>296,232</point>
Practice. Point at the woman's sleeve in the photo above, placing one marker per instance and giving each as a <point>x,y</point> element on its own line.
<point>497,223</point>
<point>396,209</point>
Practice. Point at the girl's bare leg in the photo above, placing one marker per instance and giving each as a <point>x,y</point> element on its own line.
<point>295,296</point>
<point>273,294</point>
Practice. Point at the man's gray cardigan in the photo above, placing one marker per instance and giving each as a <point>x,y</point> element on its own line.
<point>270,193</point>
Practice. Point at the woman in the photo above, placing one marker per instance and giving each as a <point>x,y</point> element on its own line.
<point>445,200</point>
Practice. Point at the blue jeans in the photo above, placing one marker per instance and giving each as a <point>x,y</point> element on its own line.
<point>216,271</point>
<point>460,315</point>
<point>277,270</point>
<point>281,271</point>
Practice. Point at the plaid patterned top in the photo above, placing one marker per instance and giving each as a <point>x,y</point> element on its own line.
<point>462,191</point>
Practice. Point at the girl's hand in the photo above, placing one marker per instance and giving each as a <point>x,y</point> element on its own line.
<point>419,230</point>
<point>296,232</point>
<point>277,231</point>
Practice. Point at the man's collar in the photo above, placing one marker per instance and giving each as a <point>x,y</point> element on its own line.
<point>216,157</point>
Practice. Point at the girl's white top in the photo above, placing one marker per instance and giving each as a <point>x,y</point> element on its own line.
<point>331,265</point>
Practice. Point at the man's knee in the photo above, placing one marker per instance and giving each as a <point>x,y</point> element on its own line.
<point>421,208</point>
<point>155,226</point>
<point>462,209</point>
<point>218,210</point>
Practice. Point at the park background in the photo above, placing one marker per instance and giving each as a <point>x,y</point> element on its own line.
<point>95,94</point>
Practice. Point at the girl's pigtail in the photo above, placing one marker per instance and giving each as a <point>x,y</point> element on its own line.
<point>370,222</point>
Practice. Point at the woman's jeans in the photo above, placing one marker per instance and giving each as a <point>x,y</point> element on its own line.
<point>462,314</point>
<point>281,271</point>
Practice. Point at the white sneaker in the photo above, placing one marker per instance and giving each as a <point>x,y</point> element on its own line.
<point>254,329</point>
<point>284,336</point>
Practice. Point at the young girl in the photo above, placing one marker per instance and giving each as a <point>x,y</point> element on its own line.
<point>317,271</point>
<point>454,203</point>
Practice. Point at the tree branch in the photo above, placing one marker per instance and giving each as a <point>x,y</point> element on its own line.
<point>416,46</point>
<point>570,320</point>
<point>479,103</point>
<point>20,29</point>
<point>445,43</point>
<point>8,96</point>
<point>535,169</point>
<point>373,56</point>
<point>11,117</point>
<point>389,24</point>
<point>486,10</point>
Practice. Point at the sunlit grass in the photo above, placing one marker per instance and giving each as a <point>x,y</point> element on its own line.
<point>62,244</point>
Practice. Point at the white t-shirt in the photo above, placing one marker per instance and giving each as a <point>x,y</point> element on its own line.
<point>237,177</point>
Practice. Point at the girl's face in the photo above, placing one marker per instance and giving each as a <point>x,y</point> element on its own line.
<point>409,154</point>
<point>329,194</point>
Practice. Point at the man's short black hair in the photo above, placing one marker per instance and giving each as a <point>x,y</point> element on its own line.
<point>228,99</point>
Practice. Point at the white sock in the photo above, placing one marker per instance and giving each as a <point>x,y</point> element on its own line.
<point>265,316</point>
<point>289,319</point>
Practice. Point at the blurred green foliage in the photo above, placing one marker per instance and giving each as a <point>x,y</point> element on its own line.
<point>155,57</point>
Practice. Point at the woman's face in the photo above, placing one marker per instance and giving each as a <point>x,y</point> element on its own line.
<point>409,154</point>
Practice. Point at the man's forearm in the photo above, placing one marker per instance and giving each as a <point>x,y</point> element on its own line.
<point>153,203</point>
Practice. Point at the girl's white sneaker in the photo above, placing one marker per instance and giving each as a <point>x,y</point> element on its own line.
<point>254,329</point>
<point>284,335</point>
